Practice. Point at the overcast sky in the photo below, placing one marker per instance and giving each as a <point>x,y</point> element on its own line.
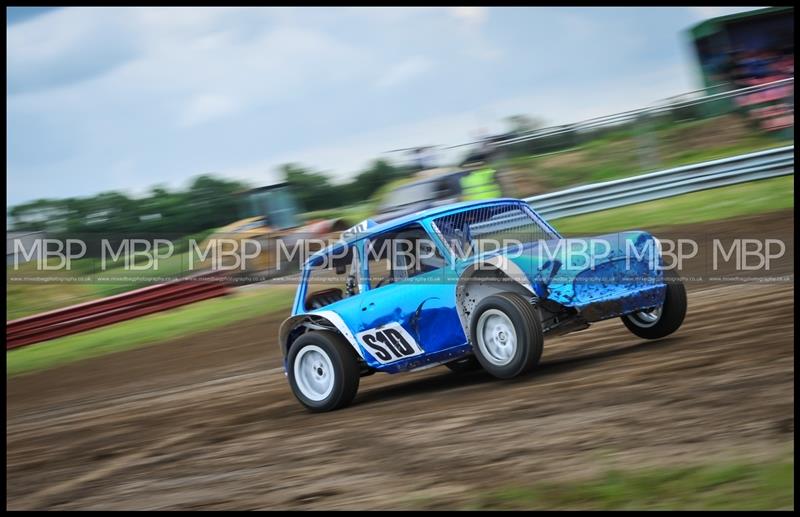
<point>123,98</point>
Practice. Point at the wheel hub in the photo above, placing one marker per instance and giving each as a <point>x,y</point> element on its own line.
<point>497,338</point>
<point>646,318</point>
<point>313,372</point>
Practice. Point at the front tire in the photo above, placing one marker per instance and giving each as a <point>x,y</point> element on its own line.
<point>323,371</point>
<point>661,321</point>
<point>506,335</point>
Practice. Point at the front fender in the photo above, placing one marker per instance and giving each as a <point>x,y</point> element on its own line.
<point>330,317</point>
<point>492,275</point>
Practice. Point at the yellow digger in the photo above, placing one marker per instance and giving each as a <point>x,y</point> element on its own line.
<point>249,247</point>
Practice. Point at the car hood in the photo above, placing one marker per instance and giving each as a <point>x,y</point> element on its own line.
<point>577,271</point>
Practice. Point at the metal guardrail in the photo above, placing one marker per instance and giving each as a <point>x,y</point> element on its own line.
<point>673,103</point>
<point>113,309</point>
<point>671,182</point>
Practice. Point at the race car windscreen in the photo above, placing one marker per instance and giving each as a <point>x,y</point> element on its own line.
<point>488,229</point>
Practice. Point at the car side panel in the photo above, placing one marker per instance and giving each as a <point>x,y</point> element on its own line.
<point>425,308</point>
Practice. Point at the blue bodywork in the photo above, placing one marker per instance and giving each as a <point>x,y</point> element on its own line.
<point>622,276</point>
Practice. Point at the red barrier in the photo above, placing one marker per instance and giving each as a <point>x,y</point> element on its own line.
<point>113,309</point>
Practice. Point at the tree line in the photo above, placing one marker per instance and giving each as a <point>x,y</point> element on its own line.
<point>207,202</point>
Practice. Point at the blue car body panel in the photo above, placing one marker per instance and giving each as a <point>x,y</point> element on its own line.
<point>625,277</point>
<point>424,306</point>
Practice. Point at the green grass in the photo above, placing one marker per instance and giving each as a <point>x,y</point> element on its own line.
<point>24,299</point>
<point>717,487</point>
<point>722,203</point>
<point>179,322</point>
<point>27,297</point>
<point>116,279</point>
<point>630,151</point>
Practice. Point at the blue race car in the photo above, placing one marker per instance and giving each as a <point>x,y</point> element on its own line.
<point>470,285</point>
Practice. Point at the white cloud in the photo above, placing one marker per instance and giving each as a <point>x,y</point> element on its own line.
<point>405,71</point>
<point>702,13</point>
<point>61,47</point>
<point>205,107</point>
<point>180,69</point>
<point>556,104</point>
<point>182,53</point>
<point>124,98</point>
<point>470,16</point>
<point>471,22</point>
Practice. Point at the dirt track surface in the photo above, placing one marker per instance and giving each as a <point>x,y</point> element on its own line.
<point>208,421</point>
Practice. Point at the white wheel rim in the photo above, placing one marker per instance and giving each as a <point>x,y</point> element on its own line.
<point>645,319</point>
<point>497,338</point>
<point>313,373</point>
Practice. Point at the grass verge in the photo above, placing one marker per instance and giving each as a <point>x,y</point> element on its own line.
<point>650,146</point>
<point>25,299</point>
<point>764,486</point>
<point>150,329</point>
<point>751,198</point>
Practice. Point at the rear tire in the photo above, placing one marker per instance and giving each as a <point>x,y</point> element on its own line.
<point>664,320</point>
<point>323,371</point>
<point>506,335</point>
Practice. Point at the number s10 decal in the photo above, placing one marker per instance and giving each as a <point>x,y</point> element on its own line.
<point>389,343</point>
